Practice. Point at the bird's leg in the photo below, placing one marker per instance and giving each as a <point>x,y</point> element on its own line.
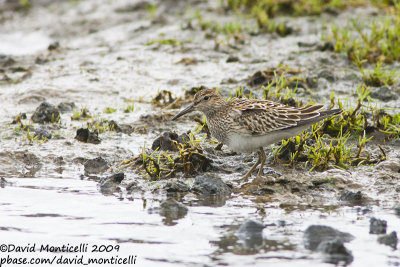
<point>263,158</point>
<point>246,176</point>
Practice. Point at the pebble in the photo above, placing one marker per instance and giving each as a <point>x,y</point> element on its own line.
<point>377,226</point>
<point>207,185</point>
<point>45,112</point>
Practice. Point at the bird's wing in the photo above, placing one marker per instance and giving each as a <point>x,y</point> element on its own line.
<point>259,117</point>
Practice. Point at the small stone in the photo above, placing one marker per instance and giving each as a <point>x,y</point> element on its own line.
<point>250,227</point>
<point>121,128</point>
<point>46,113</point>
<point>335,251</point>
<point>3,182</point>
<point>54,46</point>
<point>250,233</point>
<point>172,209</point>
<point>66,107</point>
<point>110,184</point>
<point>351,197</point>
<point>389,240</point>
<point>175,185</point>
<point>327,46</point>
<point>312,82</point>
<point>315,234</point>
<point>96,165</point>
<point>165,141</point>
<point>397,211</point>
<point>232,58</point>
<point>42,133</point>
<point>206,185</point>
<point>84,135</point>
<point>377,226</point>
<point>327,75</point>
<point>384,93</point>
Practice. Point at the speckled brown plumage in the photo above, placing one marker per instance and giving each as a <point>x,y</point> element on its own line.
<point>247,125</point>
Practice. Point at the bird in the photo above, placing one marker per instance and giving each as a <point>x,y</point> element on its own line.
<point>248,125</point>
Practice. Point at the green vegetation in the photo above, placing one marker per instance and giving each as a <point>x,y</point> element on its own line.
<point>25,3</point>
<point>82,114</point>
<point>170,41</point>
<point>152,10</point>
<point>129,108</point>
<point>186,157</point>
<point>272,8</point>
<point>371,41</point>
<point>100,125</point>
<point>378,77</point>
<point>110,110</point>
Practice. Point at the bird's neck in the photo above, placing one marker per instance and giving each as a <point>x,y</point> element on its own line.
<point>214,112</point>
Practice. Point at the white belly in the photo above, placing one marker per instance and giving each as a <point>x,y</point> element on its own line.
<point>240,143</point>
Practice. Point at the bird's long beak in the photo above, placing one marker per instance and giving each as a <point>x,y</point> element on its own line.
<point>184,111</point>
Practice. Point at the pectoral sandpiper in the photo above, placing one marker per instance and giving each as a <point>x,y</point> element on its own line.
<point>247,125</point>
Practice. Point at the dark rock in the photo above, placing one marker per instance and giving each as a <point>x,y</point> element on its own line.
<point>66,107</point>
<point>250,228</point>
<point>84,135</point>
<point>315,234</point>
<point>351,197</point>
<point>165,141</point>
<point>377,226</point>
<point>384,93</point>
<point>172,210</point>
<point>110,184</point>
<point>327,75</point>
<point>281,223</point>
<point>42,133</point>
<point>250,233</point>
<point>327,46</point>
<point>232,58</point>
<point>96,165</point>
<point>389,240</point>
<point>296,85</point>
<point>6,61</point>
<point>141,5</point>
<point>41,60</point>
<point>53,46</point>
<point>121,128</point>
<point>335,252</point>
<point>3,182</point>
<point>46,113</point>
<point>175,185</point>
<point>206,185</point>
<point>397,211</point>
<point>18,118</point>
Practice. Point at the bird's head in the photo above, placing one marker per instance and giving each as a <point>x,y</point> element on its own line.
<point>205,101</point>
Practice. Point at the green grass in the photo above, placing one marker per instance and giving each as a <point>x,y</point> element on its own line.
<point>371,41</point>
<point>82,114</point>
<point>170,42</point>
<point>263,10</point>
<point>129,108</point>
<point>110,110</point>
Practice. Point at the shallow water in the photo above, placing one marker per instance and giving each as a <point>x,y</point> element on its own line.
<point>102,61</point>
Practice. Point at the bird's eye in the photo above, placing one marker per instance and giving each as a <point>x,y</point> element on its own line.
<point>206,97</point>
